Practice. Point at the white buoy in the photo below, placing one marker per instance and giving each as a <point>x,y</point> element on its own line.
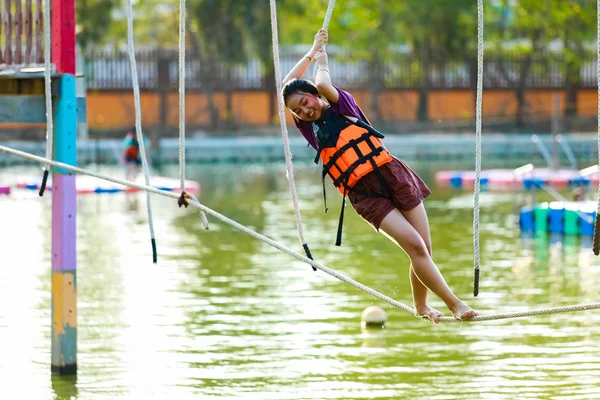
<point>373,317</point>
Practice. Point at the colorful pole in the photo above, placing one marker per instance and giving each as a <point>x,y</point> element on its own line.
<point>64,211</point>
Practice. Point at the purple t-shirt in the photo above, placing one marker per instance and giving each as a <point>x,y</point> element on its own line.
<point>345,105</point>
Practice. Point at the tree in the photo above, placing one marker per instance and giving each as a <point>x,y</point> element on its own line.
<point>93,18</point>
<point>445,30</point>
<point>373,29</point>
<point>232,32</point>
<point>535,26</point>
<point>573,23</point>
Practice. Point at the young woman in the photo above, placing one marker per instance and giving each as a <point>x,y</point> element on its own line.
<point>382,189</point>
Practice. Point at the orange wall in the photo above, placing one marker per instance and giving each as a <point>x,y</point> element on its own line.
<point>109,110</point>
<point>115,110</point>
<point>587,102</point>
<point>398,105</point>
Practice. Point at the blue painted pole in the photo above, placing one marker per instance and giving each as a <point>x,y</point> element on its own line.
<point>64,212</point>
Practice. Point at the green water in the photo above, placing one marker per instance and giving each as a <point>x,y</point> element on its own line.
<point>225,316</point>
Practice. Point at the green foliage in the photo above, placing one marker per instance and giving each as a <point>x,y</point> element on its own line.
<point>93,18</point>
<point>232,30</point>
<point>371,30</point>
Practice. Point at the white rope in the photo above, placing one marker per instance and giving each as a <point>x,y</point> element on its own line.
<point>478,146</point>
<point>138,118</point>
<point>272,243</point>
<point>182,30</point>
<point>328,15</point>
<point>182,95</point>
<point>282,122</point>
<point>596,240</point>
<point>48,82</point>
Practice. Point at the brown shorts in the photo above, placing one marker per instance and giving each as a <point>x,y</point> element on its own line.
<point>406,187</point>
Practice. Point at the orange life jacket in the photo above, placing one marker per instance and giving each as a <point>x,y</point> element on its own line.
<point>348,152</point>
<point>356,153</point>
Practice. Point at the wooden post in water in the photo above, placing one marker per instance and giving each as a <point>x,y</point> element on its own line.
<point>1,26</point>
<point>64,211</point>
<point>18,22</point>
<point>39,28</point>
<point>28,31</point>
<point>8,16</point>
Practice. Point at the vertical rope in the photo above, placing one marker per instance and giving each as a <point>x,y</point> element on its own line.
<point>138,121</point>
<point>328,15</point>
<point>182,95</point>
<point>478,146</point>
<point>182,30</point>
<point>48,93</point>
<point>596,246</point>
<point>284,133</point>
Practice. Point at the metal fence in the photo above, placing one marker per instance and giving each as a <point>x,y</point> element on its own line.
<point>158,69</point>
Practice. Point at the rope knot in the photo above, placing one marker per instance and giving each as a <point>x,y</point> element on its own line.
<point>183,199</point>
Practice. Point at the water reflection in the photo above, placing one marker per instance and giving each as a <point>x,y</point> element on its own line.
<point>65,387</point>
<point>224,315</point>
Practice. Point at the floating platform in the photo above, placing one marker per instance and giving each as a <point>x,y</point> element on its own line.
<point>569,218</point>
<point>4,189</point>
<point>90,185</point>
<point>498,179</point>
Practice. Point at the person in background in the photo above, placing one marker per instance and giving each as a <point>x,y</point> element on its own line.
<point>385,191</point>
<point>578,194</point>
<point>132,158</point>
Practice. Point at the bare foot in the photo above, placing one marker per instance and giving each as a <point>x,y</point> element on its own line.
<point>463,312</point>
<point>429,313</point>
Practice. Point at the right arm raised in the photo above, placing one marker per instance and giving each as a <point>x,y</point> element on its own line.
<point>302,65</point>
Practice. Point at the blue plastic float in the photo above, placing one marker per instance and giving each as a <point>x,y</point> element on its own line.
<point>569,218</point>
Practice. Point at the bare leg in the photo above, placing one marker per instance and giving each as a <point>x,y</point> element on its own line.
<point>401,231</point>
<point>417,217</point>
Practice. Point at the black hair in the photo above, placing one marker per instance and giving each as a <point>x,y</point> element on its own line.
<point>298,85</point>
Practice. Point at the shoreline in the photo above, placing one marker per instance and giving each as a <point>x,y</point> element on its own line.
<point>510,149</point>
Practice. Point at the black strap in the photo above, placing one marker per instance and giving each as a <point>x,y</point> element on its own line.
<point>318,155</point>
<point>368,127</point>
<point>323,175</point>
<point>338,240</point>
<point>346,174</point>
<point>343,175</point>
<point>341,150</point>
